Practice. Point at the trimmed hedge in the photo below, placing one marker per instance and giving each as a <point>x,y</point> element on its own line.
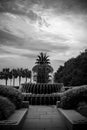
<point>71,98</point>
<point>41,99</point>
<point>6,108</point>
<point>41,88</point>
<point>14,95</point>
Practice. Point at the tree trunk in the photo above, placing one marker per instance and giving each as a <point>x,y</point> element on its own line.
<point>10,81</point>
<point>6,82</point>
<point>31,80</point>
<point>19,81</point>
<point>26,80</point>
<point>13,81</point>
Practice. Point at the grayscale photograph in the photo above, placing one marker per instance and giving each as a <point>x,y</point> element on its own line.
<point>43,64</point>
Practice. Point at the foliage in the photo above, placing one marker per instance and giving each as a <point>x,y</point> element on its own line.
<point>26,74</point>
<point>20,74</point>
<point>6,108</point>
<point>82,108</point>
<point>14,75</point>
<point>74,71</point>
<point>12,94</point>
<point>6,74</point>
<point>71,97</point>
<point>42,68</point>
<point>41,88</point>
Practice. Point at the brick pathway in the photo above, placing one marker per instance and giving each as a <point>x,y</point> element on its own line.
<point>43,118</point>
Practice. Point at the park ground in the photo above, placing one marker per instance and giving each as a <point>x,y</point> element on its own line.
<point>43,118</point>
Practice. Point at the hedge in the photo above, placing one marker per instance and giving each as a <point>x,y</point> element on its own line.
<point>41,88</point>
<point>71,98</point>
<point>6,108</point>
<point>14,95</point>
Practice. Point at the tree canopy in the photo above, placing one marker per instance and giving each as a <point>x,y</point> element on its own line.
<point>74,71</point>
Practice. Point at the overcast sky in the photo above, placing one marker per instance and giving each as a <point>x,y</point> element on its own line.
<point>27,27</point>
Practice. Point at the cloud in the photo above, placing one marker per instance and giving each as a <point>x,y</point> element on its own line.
<point>28,27</point>
<point>23,6</point>
<point>16,62</point>
<point>6,36</point>
<point>17,52</point>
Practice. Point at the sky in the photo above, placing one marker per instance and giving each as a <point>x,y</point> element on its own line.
<point>28,27</point>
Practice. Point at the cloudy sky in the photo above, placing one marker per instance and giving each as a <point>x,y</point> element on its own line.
<point>27,27</point>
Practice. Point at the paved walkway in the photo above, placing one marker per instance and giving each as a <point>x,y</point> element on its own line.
<point>43,118</point>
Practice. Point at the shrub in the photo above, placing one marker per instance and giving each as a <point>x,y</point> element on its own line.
<point>71,98</point>
<point>82,108</point>
<point>6,108</point>
<point>12,94</point>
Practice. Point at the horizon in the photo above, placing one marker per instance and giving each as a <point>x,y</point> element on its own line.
<point>58,28</point>
<point>27,67</point>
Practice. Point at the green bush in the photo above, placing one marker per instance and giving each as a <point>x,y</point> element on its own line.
<point>71,98</point>
<point>12,94</point>
<point>6,108</point>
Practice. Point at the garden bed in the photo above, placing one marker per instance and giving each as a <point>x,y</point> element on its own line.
<point>15,121</point>
<point>83,111</point>
<point>12,108</point>
<point>72,107</point>
<point>73,119</point>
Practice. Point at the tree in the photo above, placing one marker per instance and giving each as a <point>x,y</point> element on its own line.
<point>26,74</point>
<point>14,75</point>
<point>10,77</point>
<point>20,74</point>
<point>74,71</point>
<point>42,68</point>
<point>5,74</point>
<point>1,75</point>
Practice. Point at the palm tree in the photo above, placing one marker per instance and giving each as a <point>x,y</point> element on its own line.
<point>5,73</point>
<point>14,75</point>
<point>42,68</point>
<point>27,74</point>
<point>1,75</point>
<point>20,74</point>
<point>10,77</point>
